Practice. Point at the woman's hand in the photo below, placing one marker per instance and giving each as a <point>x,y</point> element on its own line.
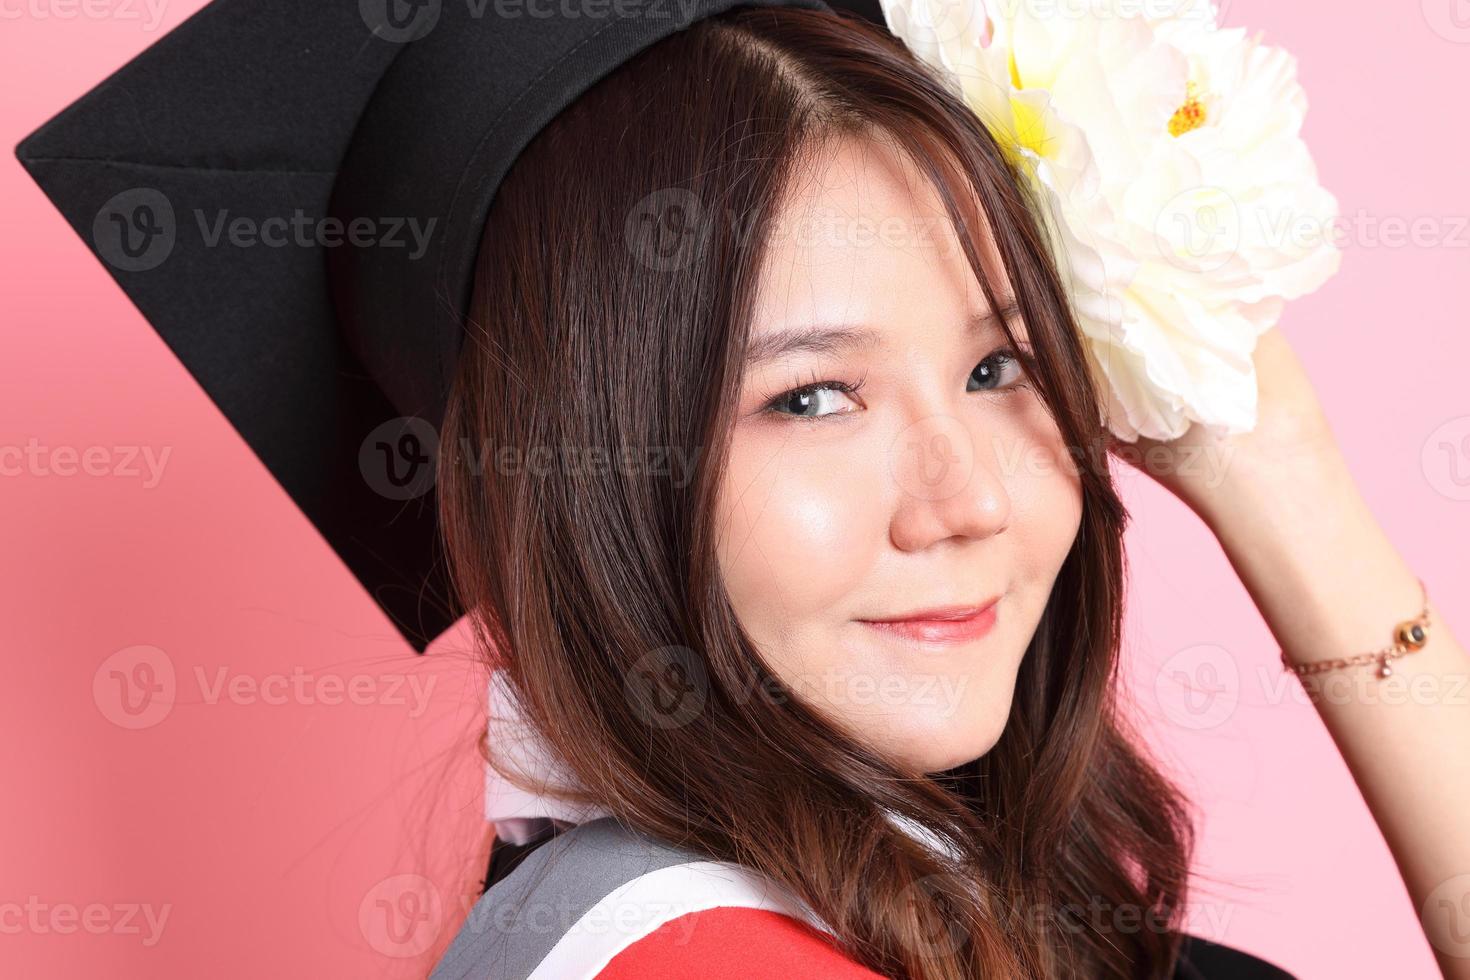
<point>1291,444</point>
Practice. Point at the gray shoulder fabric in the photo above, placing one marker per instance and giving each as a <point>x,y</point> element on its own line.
<point>516,923</point>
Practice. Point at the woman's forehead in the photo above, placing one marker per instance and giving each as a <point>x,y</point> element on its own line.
<point>863,235</point>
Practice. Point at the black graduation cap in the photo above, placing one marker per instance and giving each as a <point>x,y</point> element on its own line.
<point>292,192</point>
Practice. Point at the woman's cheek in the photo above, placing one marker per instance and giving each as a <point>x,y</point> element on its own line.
<point>1046,496</point>
<point>803,526</point>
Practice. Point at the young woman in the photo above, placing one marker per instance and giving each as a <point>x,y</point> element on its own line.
<point>772,474</point>
<point>815,590</point>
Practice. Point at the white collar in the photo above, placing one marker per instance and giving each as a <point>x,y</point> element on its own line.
<point>518,815</point>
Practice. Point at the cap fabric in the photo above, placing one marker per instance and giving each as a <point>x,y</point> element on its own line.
<point>293,194</point>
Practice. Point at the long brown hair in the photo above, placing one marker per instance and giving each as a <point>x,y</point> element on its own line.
<point>615,285</point>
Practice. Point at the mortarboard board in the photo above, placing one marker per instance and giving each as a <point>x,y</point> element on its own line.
<point>293,194</point>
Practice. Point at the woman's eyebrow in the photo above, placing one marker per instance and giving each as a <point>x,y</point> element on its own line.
<point>990,320</point>
<point>809,340</point>
<point>845,338</point>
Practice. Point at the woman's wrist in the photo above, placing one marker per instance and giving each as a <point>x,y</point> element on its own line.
<point>1312,555</point>
<point>1250,492</point>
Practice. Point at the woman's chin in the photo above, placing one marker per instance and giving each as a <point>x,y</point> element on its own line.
<point>936,750</point>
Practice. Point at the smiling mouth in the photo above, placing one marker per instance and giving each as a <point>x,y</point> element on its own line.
<point>947,624</point>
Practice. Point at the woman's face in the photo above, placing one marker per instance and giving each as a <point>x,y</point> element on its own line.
<point>932,487</point>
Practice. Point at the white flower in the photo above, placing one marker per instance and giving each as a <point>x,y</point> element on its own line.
<point>1183,203</point>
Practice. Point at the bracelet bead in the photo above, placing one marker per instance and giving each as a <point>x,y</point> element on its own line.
<point>1409,636</point>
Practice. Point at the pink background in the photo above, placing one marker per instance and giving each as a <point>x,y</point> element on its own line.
<point>275,835</point>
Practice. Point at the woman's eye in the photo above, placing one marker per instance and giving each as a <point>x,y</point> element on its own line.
<point>1002,369</point>
<point>814,401</point>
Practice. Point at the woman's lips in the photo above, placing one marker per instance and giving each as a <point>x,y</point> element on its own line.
<point>950,624</point>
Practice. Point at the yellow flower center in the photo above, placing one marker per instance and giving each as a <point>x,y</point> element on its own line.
<point>1030,127</point>
<point>1029,124</point>
<point>1191,115</point>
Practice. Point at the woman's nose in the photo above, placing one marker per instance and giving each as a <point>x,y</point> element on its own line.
<point>950,484</point>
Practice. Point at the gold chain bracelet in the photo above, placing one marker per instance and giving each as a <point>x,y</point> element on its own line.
<point>1409,636</point>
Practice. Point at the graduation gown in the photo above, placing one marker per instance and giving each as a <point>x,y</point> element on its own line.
<point>600,901</point>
